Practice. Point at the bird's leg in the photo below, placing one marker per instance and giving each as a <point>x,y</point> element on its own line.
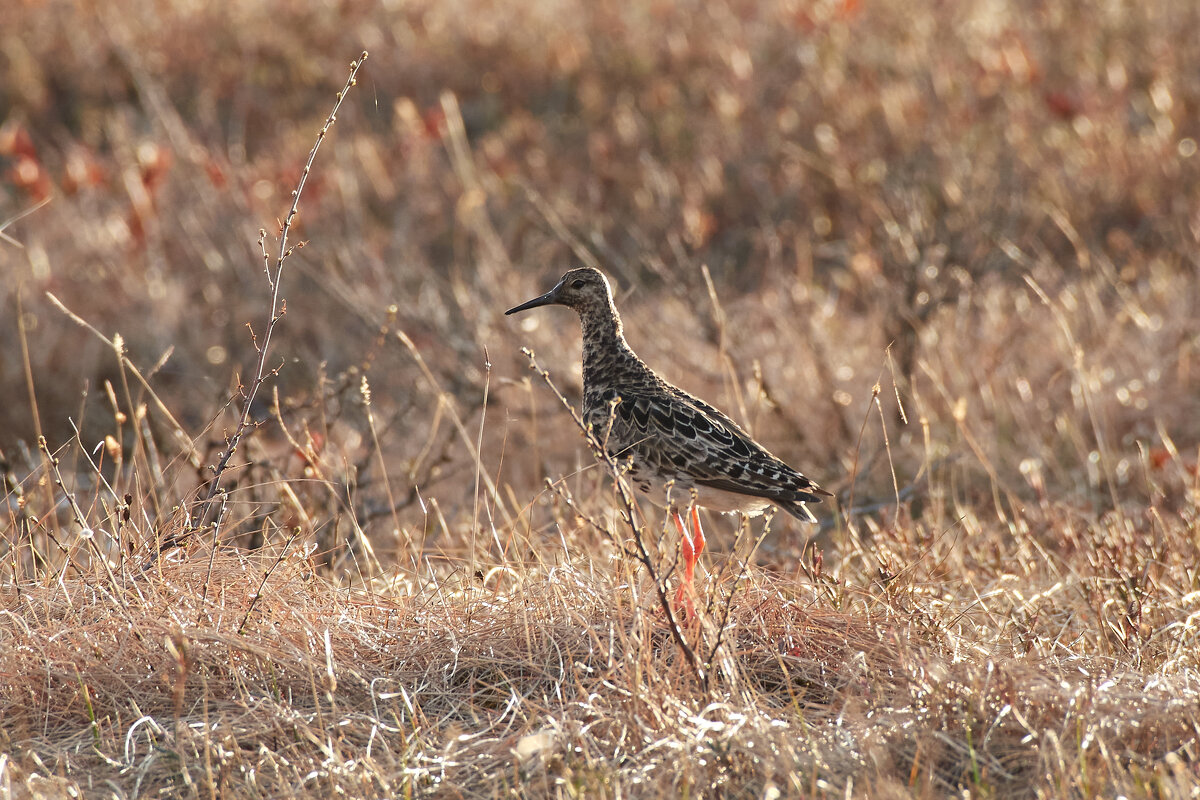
<point>698,538</point>
<point>686,590</point>
<point>691,555</point>
<point>688,549</point>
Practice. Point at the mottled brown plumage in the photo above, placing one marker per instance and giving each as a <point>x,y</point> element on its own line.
<point>675,442</point>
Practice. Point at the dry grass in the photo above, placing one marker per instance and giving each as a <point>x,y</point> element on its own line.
<point>942,257</point>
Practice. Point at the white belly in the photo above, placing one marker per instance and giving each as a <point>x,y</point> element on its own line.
<point>679,494</point>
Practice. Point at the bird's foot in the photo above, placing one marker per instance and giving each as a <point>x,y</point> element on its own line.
<point>685,601</point>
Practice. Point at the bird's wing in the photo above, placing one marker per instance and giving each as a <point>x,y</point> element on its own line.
<point>684,436</point>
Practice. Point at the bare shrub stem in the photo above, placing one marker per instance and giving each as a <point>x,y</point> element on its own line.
<point>278,308</point>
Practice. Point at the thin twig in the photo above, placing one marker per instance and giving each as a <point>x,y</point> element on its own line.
<point>446,401</point>
<point>85,531</point>
<point>727,609</point>
<point>278,308</point>
<point>185,443</point>
<point>487,375</point>
<point>17,217</point>
<point>854,471</point>
<point>258,593</point>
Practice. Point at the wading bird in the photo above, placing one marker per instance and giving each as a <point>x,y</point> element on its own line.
<point>680,451</point>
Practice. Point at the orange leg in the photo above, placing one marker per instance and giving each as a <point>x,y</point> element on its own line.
<point>692,546</point>
<point>698,538</point>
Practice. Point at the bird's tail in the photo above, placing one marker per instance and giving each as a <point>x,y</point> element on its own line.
<point>799,510</point>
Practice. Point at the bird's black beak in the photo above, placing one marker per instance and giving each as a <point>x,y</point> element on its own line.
<point>548,299</point>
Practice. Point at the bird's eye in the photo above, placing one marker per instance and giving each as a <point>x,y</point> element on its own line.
<point>577,283</point>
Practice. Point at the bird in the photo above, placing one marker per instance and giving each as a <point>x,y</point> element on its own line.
<point>679,451</point>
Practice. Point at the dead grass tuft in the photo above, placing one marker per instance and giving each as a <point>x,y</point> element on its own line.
<point>561,680</point>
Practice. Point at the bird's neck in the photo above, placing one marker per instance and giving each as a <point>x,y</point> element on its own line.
<point>605,350</point>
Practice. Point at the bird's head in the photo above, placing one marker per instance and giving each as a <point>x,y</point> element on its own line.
<point>584,289</point>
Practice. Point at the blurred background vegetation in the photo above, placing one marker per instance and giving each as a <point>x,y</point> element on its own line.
<point>941,256</point>
<point>990,209</point>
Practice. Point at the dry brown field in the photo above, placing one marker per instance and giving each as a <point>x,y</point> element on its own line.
<point>312,526</point>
